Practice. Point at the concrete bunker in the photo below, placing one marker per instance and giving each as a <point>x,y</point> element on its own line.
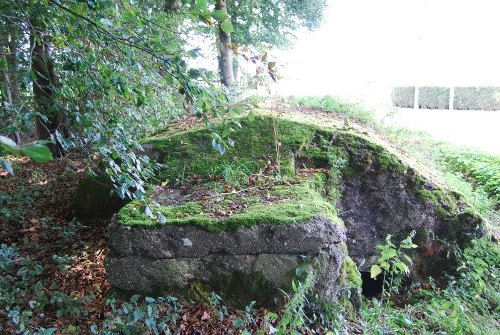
<point>359,191</point>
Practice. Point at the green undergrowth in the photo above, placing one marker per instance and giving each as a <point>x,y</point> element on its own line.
<point>474,174</point>
<point>292,203</point>
<point>482,169</point>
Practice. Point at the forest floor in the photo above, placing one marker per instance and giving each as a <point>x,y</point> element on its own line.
<point>35,204</point>
<point>34,218</point>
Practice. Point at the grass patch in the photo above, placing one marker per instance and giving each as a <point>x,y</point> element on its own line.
<point>336,105</point>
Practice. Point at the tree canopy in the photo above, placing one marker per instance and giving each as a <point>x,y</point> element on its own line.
<point>273,23</point>
<point>99,75</point>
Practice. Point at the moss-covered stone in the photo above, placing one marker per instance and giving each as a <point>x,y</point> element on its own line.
<point>94,199</point>
<point>191,152</point>
<point>296,203</point>
<point>301,145</point>
<point>351,277</point>
<point>331,173</point>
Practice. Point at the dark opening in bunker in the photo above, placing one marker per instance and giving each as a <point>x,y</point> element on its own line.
<point>371,287</point>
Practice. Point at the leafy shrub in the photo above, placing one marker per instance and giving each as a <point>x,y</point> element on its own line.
<point>393,263</point>
<point>24,297</point>
<point>141,316</point>
<point>482,169</point>
<point>477,98</point>
<point>428,97</point>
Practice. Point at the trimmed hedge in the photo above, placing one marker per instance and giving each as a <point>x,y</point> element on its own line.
<point>434,98</point>
<point>403,96</point>
<point>477,98</point>
<point>466,98</point>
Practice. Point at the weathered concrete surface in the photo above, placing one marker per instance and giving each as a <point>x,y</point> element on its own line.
<point>377,203</point>
<point>173,257</point>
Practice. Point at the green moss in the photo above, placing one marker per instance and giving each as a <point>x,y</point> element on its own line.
<point>301,145</point>
<point>297,203</point>
<point>343,153</point>
<point>350,274</point>
<point>191,152</point>
<point>287,165</point>
<point>445,201</point>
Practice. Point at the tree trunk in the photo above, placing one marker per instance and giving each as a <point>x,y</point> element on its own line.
<point>225,51</point>
<point>44,86</point>
<point>10,84</point>
<point>14,66</point>
<point>13,74</point>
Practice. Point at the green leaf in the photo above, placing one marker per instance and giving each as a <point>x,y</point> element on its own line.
<point>38,152</point>
<point>6,166</point>
<point>388,254</point>
<point>402,267</point>
<point>148,212</point>
<point>218,146</point>
<point>375,271</point>
<point>202,4</point>
<point>409,246</point>
<point>238,323</point>
<point>8,142</point>
<point>272,315</point>
<point>227,26</point>
<point>71,329</point>
<point>161,218</point>
<point>219,15</point>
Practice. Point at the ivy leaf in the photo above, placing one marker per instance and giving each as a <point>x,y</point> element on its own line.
<point>38,152</point>
<point>238,323</point>
<point>148,212</point>
<point>8,142</point>
<point>138,314</point>
<point>6,166</point>
<point>202,4</point>
<point>227,26</point>
<point>375,271</point>
<point>219,15</point>
<point>161,218</point>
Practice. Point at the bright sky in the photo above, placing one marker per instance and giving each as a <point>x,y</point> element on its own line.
<point>397,42</point>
